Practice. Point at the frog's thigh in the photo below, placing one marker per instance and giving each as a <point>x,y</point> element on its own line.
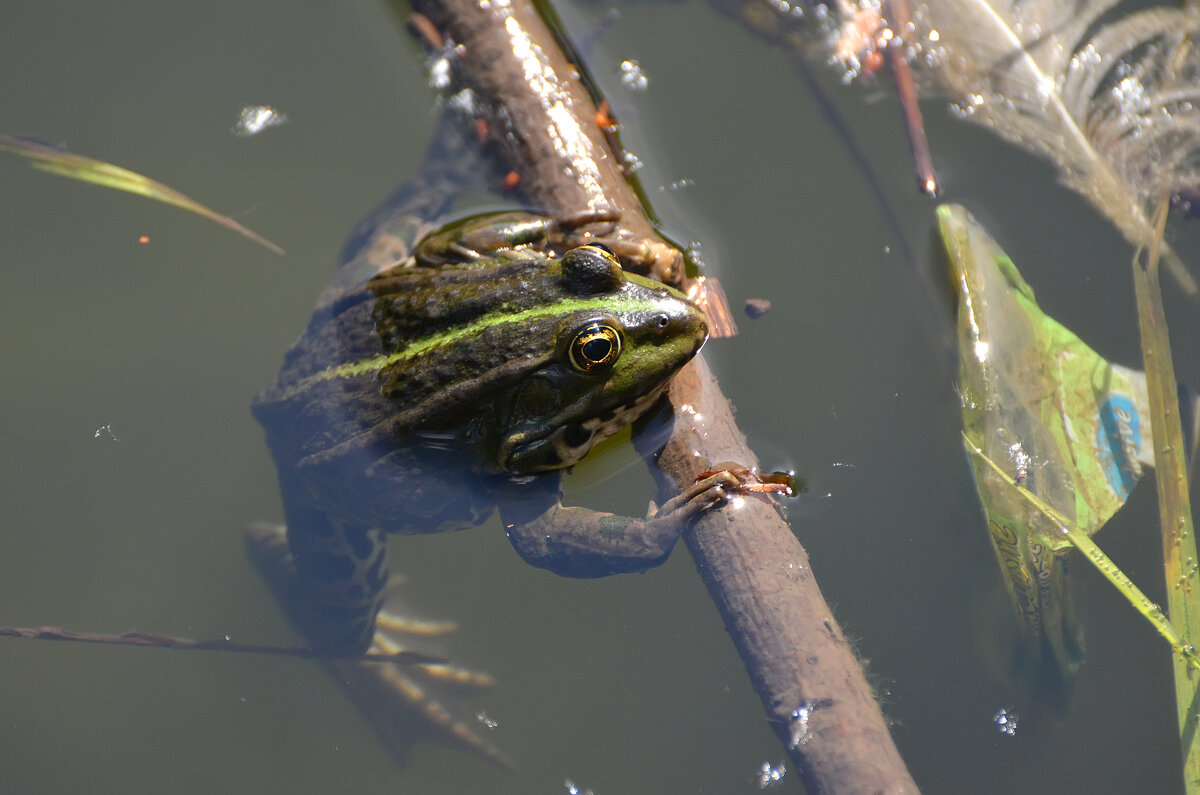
<point>342,572</point>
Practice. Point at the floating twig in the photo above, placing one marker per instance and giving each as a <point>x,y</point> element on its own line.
<point>899,17</point>
<point>145,639</point>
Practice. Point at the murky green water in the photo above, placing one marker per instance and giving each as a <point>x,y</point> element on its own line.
<point>628,685</point>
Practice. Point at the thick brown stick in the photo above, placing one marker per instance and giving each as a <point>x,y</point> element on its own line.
<point>758,574</point>
<point>814,692</point>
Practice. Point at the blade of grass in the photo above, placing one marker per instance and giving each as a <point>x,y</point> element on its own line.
<point>1170,474</point>
<point>87,169</point>
<point>1185,653</point>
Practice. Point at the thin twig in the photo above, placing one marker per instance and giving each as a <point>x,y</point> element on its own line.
<point>899,17</point>
<point>147,640</point>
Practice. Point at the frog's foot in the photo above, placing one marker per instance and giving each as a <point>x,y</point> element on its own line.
<point>391,627</point>
<point>397,703</point>
<point>394,699</point>
<point>708,492</point>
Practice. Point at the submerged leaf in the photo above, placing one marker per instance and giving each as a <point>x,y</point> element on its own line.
<point>66,164</point>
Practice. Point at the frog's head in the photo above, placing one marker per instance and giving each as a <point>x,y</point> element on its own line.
<point>618,339</point>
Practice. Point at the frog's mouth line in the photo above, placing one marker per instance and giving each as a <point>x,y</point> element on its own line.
<point>574,440</point>
<point>569,442</point>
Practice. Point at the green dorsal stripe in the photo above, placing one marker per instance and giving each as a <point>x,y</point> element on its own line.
<point>424,345</point>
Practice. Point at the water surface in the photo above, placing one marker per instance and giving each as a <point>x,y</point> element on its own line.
<point>626,685</point>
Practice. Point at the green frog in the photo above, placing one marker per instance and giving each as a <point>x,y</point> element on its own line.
<point>464,378</point>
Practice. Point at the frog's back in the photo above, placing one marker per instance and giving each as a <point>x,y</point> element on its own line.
<point>385,400</point>
<point>304,409</point>
<point>332,430</point>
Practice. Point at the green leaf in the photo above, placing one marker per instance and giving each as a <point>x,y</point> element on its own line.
<point>86,169</point>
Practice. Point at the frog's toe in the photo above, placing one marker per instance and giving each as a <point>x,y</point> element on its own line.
<point>707,493</point>
<point>390,630</point>
<point>397,703</point>
<point>397,624</point>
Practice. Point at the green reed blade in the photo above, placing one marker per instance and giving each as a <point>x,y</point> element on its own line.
<point>86,169</point>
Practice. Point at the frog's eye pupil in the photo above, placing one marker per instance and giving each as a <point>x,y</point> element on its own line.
<point>597,348</point>
<point>594,348</point>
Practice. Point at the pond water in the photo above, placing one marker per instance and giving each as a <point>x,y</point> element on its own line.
<point>131,463</point>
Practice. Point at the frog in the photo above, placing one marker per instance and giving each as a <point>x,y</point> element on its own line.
<point>463,380</point>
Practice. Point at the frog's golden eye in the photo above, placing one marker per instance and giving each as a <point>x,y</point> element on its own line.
<point>595,348</point>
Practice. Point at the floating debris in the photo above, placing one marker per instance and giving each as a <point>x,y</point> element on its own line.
<point>757,307</point>
<point>632,76</point>
<point>254,119</point>
<point>106,432</point>
<point>1057,437</point>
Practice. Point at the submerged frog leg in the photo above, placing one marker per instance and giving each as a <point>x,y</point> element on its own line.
<point>339,576</point>
<point>391,697</point>
<point>581,542</point>
<point>335,613</point>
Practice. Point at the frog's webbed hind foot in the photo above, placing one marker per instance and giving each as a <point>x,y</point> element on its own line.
<point>396,702</point>
<point>391,627</point>
<point>394,699</point>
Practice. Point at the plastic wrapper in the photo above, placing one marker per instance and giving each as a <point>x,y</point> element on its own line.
<point>1043,414</point>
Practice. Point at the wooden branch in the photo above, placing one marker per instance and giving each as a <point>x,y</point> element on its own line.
<point>542,119</point>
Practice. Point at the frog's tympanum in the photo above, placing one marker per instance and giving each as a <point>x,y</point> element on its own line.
<point>466,378</point>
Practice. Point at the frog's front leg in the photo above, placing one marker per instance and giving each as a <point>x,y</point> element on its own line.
<point>581,542</point>
<point>489,234</point>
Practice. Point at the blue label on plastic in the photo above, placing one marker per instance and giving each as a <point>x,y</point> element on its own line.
<point>1118,438</point>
